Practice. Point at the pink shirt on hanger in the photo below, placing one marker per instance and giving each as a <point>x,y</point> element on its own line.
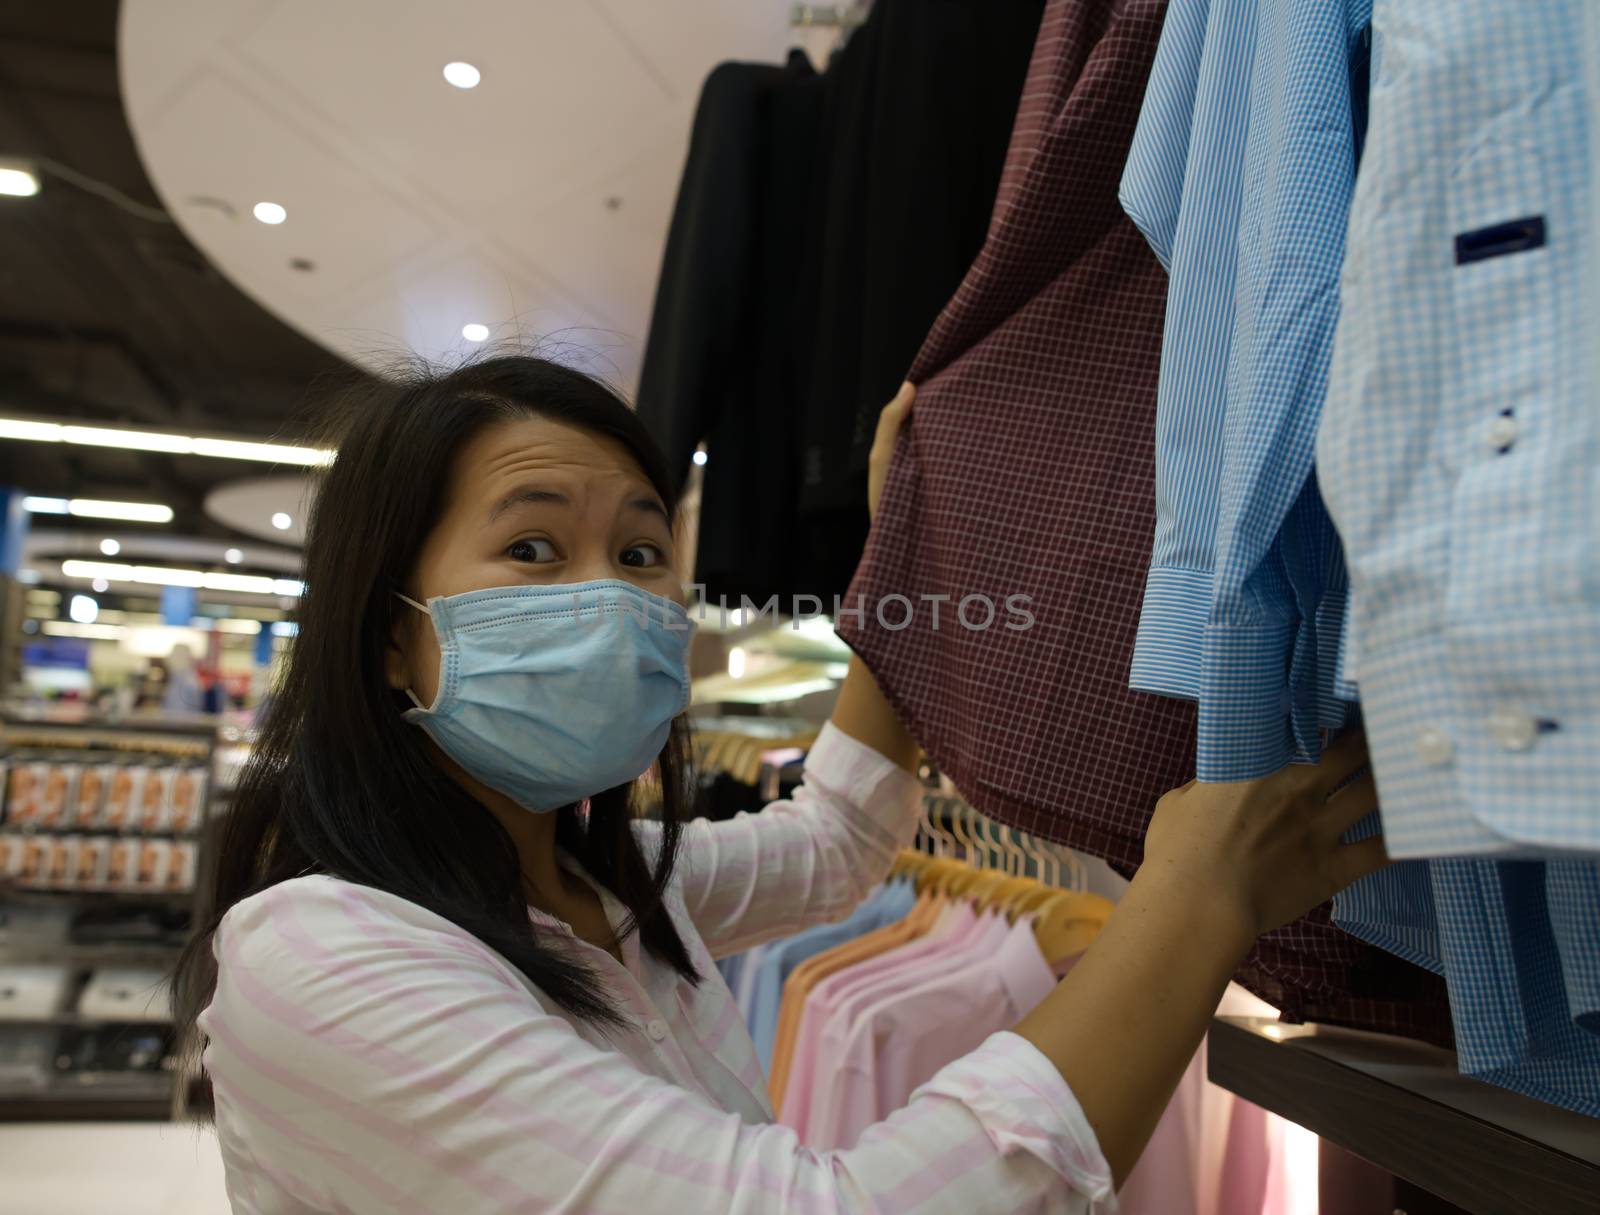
<point>948,936</point>
<point>901,1041</point>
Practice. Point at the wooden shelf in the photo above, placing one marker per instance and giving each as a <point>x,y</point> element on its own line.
<point>138,1097</point>
<point>1403,1106</point>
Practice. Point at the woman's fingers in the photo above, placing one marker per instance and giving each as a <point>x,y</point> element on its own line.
<point>890,420</point>
<point>1342,760</point>
<point>1351,862</point>
<point>1351,804</point>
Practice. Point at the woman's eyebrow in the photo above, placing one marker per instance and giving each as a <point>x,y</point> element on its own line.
<point>529,495</point>
<point>649,506</point>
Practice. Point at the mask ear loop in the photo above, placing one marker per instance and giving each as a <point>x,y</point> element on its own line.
<point>404,598</point>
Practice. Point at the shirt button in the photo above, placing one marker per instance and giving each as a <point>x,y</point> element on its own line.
<point>1502,432</point>
<point>657,1029</point>
<point>1513,730</point>
<point>1434,748</point>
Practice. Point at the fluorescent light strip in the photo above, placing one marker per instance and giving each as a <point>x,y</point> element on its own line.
<point>153,575</point>
<point>93,632</point>
<point>95,508</point>
<point>148,440</point>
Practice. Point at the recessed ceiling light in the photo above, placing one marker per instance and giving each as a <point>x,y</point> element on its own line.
<point>233,556</point>
<point>269,212</point>
<point>101,586</point>
<point>110,547</point>
<point>700,456</point>
<point>475,332</point>
<point>282,521</point>
<point>462,75</point>
<point>83,609</point>
<point>18,179</point>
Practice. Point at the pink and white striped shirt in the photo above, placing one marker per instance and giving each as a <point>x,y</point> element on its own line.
<point>369,1056</point>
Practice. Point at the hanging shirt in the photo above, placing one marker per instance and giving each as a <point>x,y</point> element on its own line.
<point>903,1038</point>
<point>1028,467</point>
<point>949,937</point>
<point>1240,175</point>
<point>1458,452</point>
<point>370,1056</point>
<point>779,959</point>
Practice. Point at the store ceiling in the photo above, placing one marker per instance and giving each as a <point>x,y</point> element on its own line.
<point>109,317</point>
<point>534,204</point>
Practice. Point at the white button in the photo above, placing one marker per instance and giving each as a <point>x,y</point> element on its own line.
<point>1434,748</point>
<point>1513,730</point>
<point>1502,432</point>
<point>656,1029</point>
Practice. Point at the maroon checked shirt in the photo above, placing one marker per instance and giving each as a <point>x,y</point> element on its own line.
<point>1028,470</point>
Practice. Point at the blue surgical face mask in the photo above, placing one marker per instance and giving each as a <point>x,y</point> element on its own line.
<point>550,694</point>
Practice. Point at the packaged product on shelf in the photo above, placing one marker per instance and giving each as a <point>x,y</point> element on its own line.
<point>121,866</point>
<point>56,802</point>
<point>33,992</point>
<point>30,872</point>
<point>180,867</point>
<point>126,994</point>
<point>26,787</point>
<point>123,796</point>
<point>155,800</point>
<point>10,854</point>
<point>153,857</point>
<point>63,868</point>
<point>89,805</point>
<point>94,854</point>
<point>188,799</point>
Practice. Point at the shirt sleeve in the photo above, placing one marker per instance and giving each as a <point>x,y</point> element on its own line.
<point>803,861</point>
<point>367,1061</point>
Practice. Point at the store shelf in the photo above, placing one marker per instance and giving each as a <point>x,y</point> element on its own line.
<point>91,955</point>
<point>1403,1106</point>
<point>100,1097</point>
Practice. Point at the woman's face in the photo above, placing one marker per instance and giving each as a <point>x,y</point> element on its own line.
<point>534,503</point>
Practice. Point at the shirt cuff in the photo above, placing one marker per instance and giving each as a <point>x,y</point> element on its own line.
<point>884,792</point>
<point>1025,1106</point>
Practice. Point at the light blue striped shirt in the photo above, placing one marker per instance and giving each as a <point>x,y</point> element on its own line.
<point>1240,176</point>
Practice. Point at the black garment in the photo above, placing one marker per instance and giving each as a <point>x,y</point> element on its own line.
<point>724,329</point>
<point>821,225</point>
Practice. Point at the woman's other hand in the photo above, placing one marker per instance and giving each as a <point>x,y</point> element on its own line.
<point>1271,846</point>
<point>890,422</point>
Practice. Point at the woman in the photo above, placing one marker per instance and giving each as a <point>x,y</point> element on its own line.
<point>441,984</point>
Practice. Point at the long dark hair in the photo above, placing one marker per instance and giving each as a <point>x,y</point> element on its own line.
<point>339,784</point>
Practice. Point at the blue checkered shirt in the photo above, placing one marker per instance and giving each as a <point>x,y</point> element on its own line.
<point>1458,454</point>
<point>1460,444</point>
<point>1240,177</point>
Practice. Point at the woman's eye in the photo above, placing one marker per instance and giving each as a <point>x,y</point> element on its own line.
<point>533,552</point>
<point>642,556</point>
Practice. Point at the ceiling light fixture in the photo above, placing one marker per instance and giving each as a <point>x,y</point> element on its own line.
<point>83,608</point>
<point>110,547</point>
<point>700,457</point>
<point>462,75</point>
<point>148,440</point>
<point>151,575</point>
<point>281,521</point>
<point>90,632</point>
<point>101,586</point>
<point>94,508</point>
<point>233,556</point>
<point>18,178</point>
<point>269,212</point>
<point>475,332</point>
